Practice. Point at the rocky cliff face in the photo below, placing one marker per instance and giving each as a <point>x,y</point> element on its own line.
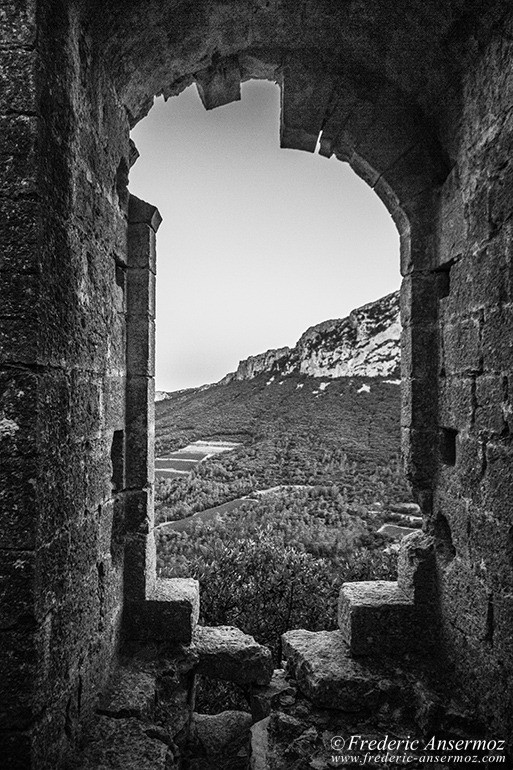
<point>263,362</point>
<point>365,344</point>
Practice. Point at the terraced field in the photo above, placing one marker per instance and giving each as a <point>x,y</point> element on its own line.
<point>183,461</point>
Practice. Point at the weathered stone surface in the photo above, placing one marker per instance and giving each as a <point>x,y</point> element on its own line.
<point>277,693</point>
<point>270,737</point>
<point>220,734</point>
<point>124,744</point>
<point>415,568</point>
<point>131,693</point>
<point>169,614</point>
<point>227,653</point>
<point>219,84</point>
<point>325,673</point>
<point>376,617</point>
<point>260,745</point>
<point>428,125</point>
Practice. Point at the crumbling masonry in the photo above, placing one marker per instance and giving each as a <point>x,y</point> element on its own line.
<point>416,95</point>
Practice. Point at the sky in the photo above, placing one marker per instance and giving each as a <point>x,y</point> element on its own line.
<point>257,243</point>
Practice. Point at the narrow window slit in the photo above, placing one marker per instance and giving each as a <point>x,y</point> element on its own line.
<point>448,446</point>
<point>117,458</point>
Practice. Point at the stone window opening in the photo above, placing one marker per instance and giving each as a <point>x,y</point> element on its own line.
<point>416,97</point>
<point>147,594</point>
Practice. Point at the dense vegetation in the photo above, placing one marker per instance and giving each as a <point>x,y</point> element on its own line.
<point>279,564</point>
<point>276,561</point>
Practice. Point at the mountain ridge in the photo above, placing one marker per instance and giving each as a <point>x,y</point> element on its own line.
<point>363,344</point>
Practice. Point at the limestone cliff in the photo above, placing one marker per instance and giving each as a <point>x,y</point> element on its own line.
<point>263,362</point>
<point>365,344</point>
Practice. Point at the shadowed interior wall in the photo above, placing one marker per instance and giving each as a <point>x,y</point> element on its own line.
<point>415,95</point>
<point>474,493</point>
<point>63,371</point>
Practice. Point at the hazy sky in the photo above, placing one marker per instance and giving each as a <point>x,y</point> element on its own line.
<point>257,243</point>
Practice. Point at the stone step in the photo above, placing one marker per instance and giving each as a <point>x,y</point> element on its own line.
<point>227,653</point>
<point>168,614</point>
<point>391,618</point>
<point>325,672</point>
<point>376,617</point>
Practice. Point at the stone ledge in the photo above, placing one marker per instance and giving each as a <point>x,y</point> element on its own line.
<point>376,617</point>
<point>329,677</point>
<point>124,744</point>
<point>131,693</point>
<point>227,653</point>
<point>169,614</point>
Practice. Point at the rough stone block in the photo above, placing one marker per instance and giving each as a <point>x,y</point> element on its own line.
<point>142,213</point>
<point>137,574</point>
<point>229,654</point>
<point>465,600</point>
<point>17,581</point>
<point>376,617</point>
<point>140,426</point>
<point>419,301</point>
<point>18,522</point>
<point>420,455</point>
<point>469,460</point>
<point>140,353</point>
<point>271,696</point>
<point>139,510</point>
<point>419,351</point>
<point>18,23</point>
<point>415,171</point>
<point>219,84</point>
<point>18,91</point>
<point>498,339</point>
<point>130,693</point>
<point>141,247</point>
<point>491,548</point>
<point>220,734</point>
<point>462,346</point>
<point>416,567</point>
<point>501,627</point>
<point>113,402</point>
<point>169,614</point>
<point>456,401</point>
<point>124,744</point>
<point>328,676</point>
<point>20,340</point>
<point>306,90</point>
<point>418,403</point>
<point>141,292</point>
<point>18,168</point>
<point>492,405</point>
<point>452,227</point>
<point>497,485</point>
<point>18,662</point>
<point>20,236</point>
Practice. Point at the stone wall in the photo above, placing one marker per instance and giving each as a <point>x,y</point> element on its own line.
<point>415,96</point>
<point>474,503</point>
<point>63,371</point>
